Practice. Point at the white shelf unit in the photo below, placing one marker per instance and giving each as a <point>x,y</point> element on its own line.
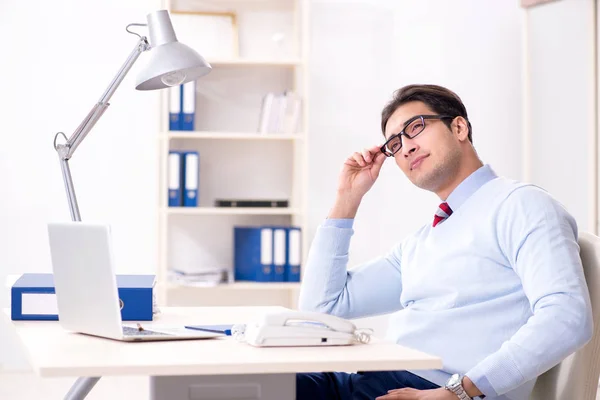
<point>235,160</point>
<point>232,211</point>
<point>231,136</point>
<point>236,294</point>
<point>255,62</point>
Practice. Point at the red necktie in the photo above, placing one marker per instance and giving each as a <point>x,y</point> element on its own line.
<point>443,212</point>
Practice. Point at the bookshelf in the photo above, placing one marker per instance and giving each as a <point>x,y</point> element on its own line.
<point>257,63</point>
<point>232,211</point>
<point>269,54</point>
<point>231,136</point>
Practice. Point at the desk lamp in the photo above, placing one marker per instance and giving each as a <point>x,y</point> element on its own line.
<point>170,64</point>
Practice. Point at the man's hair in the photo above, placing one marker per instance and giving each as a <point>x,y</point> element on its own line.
<point>438,98</point>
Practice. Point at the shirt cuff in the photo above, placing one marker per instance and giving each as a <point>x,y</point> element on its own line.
<point>496,374</point>
<point>344,223</point>
<point>484,387</point>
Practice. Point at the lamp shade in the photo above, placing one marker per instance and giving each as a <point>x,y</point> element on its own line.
<point>169,63</point>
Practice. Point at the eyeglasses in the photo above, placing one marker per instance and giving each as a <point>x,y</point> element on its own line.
<point>412,129</point>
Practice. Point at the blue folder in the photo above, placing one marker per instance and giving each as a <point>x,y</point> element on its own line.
<point>253,253</point>
<point>293,254</point>
<point>175,108</point>
<point>188,108</point>
<point>279,253</point>
<point>191,180</point>
<point>135,295</point>
<point>175,178</point>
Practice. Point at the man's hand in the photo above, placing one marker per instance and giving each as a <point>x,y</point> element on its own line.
<point>359,173</point>
<point>414,394</point>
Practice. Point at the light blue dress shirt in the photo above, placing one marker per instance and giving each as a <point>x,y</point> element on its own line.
<point>496,290</point>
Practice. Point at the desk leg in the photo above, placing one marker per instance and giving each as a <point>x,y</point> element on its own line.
<point>231,387</point>
<point>81,388</point>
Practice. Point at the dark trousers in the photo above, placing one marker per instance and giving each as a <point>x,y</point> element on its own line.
<point>360,386</point>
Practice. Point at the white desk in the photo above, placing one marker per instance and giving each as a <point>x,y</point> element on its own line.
<point>54,352</point>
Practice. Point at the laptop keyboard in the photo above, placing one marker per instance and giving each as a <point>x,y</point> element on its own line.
<point>129,331</point>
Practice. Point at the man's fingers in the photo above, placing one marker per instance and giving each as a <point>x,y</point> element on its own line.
<point>376,149</point>
<point>377,164</point>
<point>396,390</point>
<point>373,151</point>
<point>403,390</point>
<point>351,161</point>
<point>392,396</point>
<point>367,155</point>
<point>380,158</point>
<point>400,394</point>
<point>358,157</point>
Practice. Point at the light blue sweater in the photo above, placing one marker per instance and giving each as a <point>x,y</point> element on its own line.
<point>496,290</point>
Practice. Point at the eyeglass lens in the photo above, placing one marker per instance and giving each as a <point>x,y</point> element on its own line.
<point>412,130</point>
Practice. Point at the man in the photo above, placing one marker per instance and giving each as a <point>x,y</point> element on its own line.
<point>493,285</point>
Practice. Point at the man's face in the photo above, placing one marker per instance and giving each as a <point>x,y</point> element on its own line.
<point>433,157</point>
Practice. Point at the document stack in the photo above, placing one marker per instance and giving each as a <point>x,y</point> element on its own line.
<point>267,253</point>
<point>205,277</point>
<point>280,113</point>
<point>183,178</point>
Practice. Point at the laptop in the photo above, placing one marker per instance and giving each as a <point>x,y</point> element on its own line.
<point>86,287</point>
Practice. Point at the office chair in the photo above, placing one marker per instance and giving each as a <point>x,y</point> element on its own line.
<point>576,377</point>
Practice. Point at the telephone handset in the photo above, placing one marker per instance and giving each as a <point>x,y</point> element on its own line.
<point>297,328</point>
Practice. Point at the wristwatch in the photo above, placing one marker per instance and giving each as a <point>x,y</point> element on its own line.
<point>454,385</point>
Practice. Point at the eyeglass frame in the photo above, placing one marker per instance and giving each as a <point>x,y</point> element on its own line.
<point>402,133</point>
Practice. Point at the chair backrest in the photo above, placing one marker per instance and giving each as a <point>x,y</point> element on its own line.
<point>576,377</point>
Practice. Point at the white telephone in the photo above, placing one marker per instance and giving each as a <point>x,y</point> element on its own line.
<point>295,328</point>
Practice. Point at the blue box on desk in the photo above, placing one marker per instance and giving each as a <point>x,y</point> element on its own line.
<point>33,298</point>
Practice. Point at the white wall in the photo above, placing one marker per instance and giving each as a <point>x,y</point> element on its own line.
<point>375,47</point>
<point>562,117</point>
<point>57,60</point>
<point>469,46</point>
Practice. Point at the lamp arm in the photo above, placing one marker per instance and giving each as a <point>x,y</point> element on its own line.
<point>65,151</point>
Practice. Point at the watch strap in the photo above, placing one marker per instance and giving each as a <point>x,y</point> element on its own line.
<point>459,390</point>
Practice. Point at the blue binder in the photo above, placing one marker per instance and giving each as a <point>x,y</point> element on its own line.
<point>279,253</point>
<point>191,168</point>
<point>253,254</point>
<point>175,110</point>
<point>175,179</point>
<point>294,254</point>
<point>189,106</point>
<point>33,297</point>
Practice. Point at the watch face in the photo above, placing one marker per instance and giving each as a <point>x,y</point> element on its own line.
<point>454,380</point>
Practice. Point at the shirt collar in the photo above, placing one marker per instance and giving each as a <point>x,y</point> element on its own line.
<point>469,186</point>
